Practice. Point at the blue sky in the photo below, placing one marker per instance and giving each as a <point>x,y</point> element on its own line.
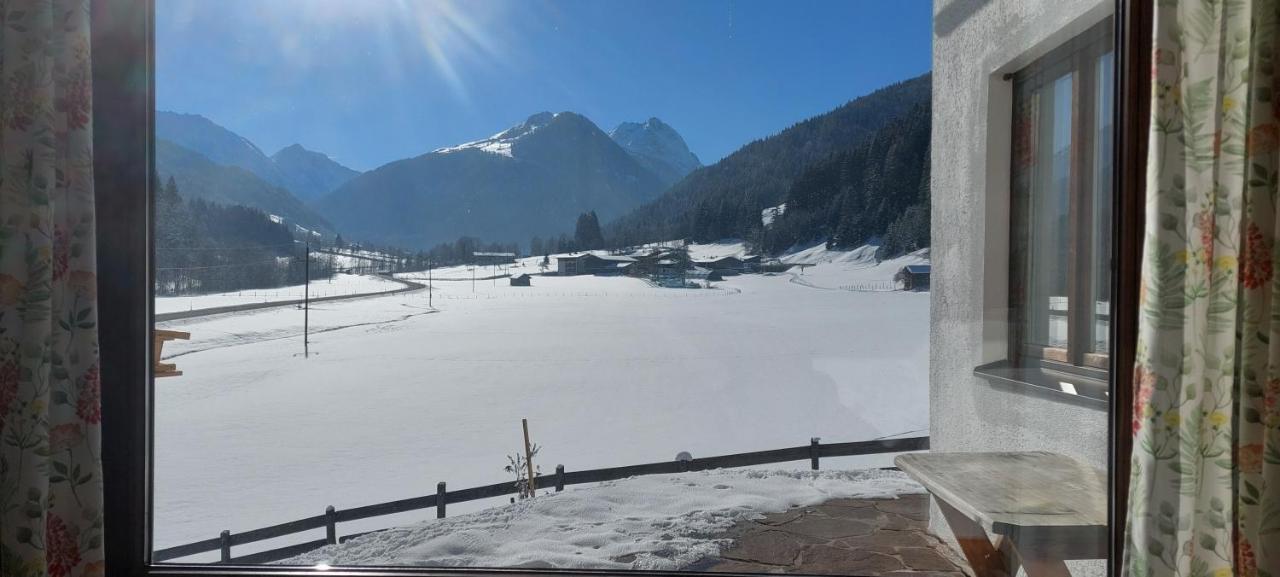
<point>371,81</point>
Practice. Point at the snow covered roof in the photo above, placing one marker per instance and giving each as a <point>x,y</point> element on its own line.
<point>917,268</point>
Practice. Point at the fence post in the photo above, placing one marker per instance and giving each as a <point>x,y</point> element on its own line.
<point>331,525</point>
<point>559,478</point>
<point>226,545</point>
<point>813,453</point>
<point>440,501</point>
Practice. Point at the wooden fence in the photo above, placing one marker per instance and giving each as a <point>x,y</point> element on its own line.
<point>223,543</point>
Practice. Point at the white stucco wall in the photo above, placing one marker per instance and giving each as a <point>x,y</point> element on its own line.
<point>976,42</point>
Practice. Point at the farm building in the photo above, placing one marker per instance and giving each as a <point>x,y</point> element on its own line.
<point>729,265</point>
<point>659,261</point>
<point>914,277</point>
<point>522,280</point>
<point>590,263</point>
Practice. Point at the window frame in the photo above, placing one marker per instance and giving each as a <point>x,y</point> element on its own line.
<point>123,103</point>
<point>1077,57</point>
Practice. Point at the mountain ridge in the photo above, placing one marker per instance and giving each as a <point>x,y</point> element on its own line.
<point>531,179</point>
<point>199,177</point>
<point>306,174</point>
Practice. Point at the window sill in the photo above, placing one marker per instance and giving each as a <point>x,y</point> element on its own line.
<point>1047,383</point>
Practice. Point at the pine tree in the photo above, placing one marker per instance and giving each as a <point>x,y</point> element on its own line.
<point>587,233</point>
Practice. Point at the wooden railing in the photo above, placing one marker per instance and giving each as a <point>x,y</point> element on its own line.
<point>812,452</point>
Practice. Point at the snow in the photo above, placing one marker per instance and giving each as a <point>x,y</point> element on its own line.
<point>658,142</point>
<point>717,250</point>
<point>851,270</point>
<point>658,522</point>
<point>347,260</point>
<point>768,215</point>
<point>339,284</point>
<point>610,371</point>
<point>500,143</point>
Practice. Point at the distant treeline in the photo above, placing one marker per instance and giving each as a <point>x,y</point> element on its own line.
<point>203,247</point>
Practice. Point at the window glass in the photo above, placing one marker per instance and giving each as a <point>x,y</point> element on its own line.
<point>1061,218</point>
<point>1102,203</point>
<point>619,284</point>
<point>1049,305</point>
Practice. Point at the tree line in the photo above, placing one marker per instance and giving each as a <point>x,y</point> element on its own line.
<point>204,247</point>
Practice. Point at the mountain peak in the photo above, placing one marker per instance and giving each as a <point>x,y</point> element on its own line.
<point>308,173</point>
<point>657,146</point>
<point>220,145</point>
<point>527,180</point>
<point>502,142</point>
<point>294,148</point>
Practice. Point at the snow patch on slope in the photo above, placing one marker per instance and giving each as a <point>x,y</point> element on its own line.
<point>657,522</point>
<point>768,215</point>
<point>501,142</point>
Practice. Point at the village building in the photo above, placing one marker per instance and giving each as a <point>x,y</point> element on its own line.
<point>728,265</point>
<point>594,264</point>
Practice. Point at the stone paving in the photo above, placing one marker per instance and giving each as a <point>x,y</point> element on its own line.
<point>872,537</point>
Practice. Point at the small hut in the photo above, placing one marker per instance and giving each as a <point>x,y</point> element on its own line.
<point>914,277</point>
<point>522,280</point>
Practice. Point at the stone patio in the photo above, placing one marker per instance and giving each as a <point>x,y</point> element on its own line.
<point>871,537</point>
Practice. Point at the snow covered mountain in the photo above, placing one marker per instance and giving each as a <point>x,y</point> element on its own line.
<point>657,147</point>
<point>501,142</point>
<point>309,174</point>
<point>531,179</point>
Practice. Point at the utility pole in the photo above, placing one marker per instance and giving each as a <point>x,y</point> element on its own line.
<point>473,279</point>
<point>430,288</point>
<point>306,304</point>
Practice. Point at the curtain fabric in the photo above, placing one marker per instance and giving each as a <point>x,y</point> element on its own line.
<point>50,473</point>
<point>1205,486</point>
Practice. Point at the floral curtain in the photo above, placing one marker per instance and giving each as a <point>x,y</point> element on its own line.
<point>50,473</point>
<point>1205,491</point>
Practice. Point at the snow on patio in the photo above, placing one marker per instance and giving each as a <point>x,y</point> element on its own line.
<point>658,522</point>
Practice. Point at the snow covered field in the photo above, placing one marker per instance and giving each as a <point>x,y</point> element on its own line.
<point>339,284</point>
<point>609,371</point>
<point>659,522</point>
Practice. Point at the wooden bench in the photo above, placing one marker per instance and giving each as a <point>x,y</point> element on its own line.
<point>158,339</point>
<point>1042,508</point>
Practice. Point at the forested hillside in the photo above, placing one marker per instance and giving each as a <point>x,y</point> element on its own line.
<point>725,199</point>
<point>201,178</point>
<point>878,189</point>
<point>203,247</point>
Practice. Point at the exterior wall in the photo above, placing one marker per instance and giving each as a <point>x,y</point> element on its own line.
<point>567,267</point>
<point>975,43</point>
